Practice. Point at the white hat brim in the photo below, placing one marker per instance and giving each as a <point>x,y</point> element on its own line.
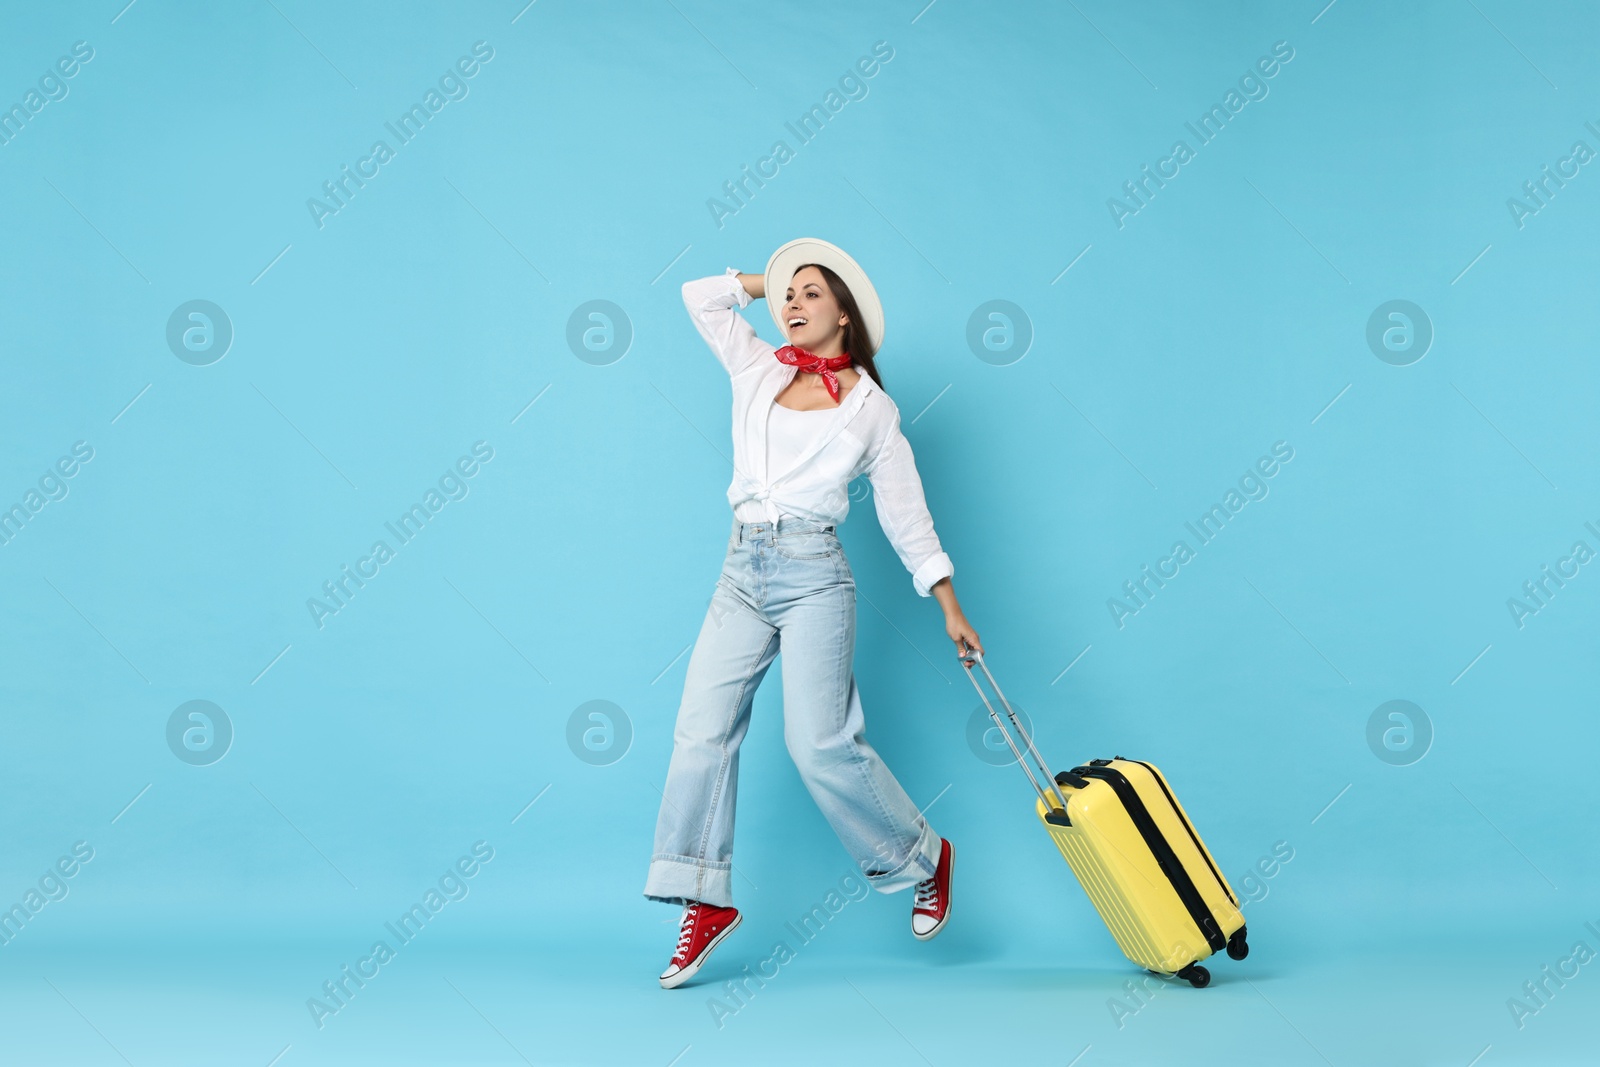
<point>790,257</point>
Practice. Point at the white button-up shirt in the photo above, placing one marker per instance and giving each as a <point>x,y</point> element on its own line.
<point>862,437</point>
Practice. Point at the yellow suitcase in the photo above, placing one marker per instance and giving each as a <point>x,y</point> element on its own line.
<point>1135,852</point>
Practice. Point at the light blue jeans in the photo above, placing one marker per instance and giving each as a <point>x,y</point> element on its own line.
<point>788,588</point>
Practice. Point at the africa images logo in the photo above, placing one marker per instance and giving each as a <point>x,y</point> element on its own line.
<point>341,190</point>
<point>852,87</point>
<point>1252,486</point>
<point>453,485</point>
<point>1252,84</point>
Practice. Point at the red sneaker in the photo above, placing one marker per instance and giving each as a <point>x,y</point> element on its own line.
<point>931,908</point>
<point>703,928</point>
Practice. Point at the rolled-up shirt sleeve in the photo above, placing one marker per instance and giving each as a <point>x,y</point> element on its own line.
<point>711,302</point>
<point>903,512</point>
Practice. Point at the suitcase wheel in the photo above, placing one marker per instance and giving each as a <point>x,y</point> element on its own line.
<point>1196,975</point>
<point>1237,949</point>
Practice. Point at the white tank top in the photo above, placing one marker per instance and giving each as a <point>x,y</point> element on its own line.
<point>789,433</point>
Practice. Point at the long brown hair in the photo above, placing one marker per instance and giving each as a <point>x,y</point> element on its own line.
<point>856,341</point>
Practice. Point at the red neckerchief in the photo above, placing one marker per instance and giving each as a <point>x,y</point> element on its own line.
<point>811,364</point>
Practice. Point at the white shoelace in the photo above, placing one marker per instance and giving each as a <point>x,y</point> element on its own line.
<point>927,895</point>
<point>686,931</point>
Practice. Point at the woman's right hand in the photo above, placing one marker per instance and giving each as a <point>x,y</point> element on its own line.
<point>754,284</point>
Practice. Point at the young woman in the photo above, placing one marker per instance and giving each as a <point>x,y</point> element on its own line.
<point>806,421</point>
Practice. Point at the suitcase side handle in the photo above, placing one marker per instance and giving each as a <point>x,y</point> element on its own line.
<point>971,656</point>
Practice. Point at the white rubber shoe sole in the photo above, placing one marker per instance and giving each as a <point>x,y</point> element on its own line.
<point>682,975</point>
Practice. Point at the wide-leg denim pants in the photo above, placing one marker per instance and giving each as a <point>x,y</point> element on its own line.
<point>785,589</point>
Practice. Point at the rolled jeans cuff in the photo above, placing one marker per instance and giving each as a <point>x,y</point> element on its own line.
<point>918,867</point>
<point>680,879</point>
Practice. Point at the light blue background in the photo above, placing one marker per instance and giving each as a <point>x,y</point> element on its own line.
<point>1227,315</point>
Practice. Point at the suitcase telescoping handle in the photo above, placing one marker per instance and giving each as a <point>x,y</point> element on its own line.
<point>968,658</point>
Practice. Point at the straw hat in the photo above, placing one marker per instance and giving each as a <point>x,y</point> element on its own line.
<point>802,250</point>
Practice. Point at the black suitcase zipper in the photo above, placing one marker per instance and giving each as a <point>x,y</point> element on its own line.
<point>1192,835</point>
<point>1165,858</point>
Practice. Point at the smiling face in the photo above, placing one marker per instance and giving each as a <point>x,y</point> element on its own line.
<point>811,314</point>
